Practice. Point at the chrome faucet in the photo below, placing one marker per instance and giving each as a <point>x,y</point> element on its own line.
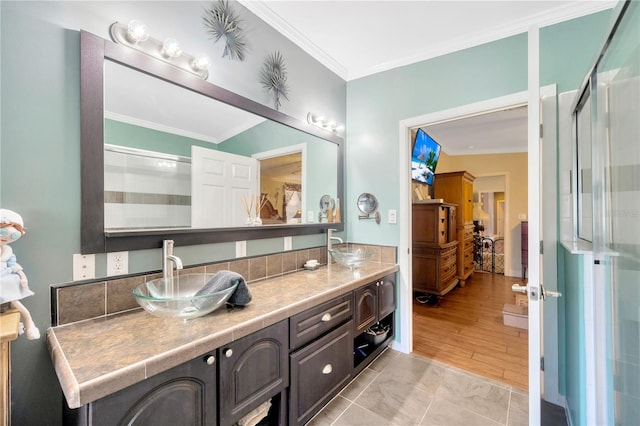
<point>331,238</point>
<point>168,259</point>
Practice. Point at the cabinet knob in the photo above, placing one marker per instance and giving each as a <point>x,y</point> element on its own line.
<point>326,317</point>
<point>327,369</point>
<point>228,352</point>
<point>210,360</point>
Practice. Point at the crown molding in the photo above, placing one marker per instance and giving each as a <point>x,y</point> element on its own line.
<point>559,14</point>
<point>262,10</point>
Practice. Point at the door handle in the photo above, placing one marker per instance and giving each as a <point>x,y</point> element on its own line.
<point>550,293</point>
<point>517,288</point>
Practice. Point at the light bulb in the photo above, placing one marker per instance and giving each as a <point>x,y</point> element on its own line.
<point>201,63</point>
<point>137,31</point>
<point>171,48</point>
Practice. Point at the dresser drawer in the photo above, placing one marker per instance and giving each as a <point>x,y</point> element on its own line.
<point>468,233</point>
<point>310,324</point>
<point>447,269</point>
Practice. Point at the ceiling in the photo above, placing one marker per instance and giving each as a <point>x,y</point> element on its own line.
<point>356,38</point>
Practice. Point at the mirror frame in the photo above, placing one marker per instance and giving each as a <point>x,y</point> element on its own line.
<point>94,50</point>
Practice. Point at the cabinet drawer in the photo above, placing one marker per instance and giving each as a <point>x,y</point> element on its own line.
<point>468,233</point>
<point>310,324</point>
<point>447,270</point>
<point>318,372</point>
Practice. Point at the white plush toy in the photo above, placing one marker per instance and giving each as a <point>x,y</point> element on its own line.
<point>13,282</point>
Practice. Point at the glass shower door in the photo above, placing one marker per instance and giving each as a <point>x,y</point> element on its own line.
<point>618,145</point>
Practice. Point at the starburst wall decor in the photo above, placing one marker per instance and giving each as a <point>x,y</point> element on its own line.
<point>273,77</point>
<point>221,21</point>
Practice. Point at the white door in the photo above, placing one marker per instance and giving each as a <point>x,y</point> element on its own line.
<point>534,198</point>
<point>220,181</point>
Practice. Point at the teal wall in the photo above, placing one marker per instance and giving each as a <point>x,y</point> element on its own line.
<point>40,134</point>
<point>132,136</point>
<point>40,147</point>
<point>376,104</point>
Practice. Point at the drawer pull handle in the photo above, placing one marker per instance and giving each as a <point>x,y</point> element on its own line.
<point>210,360</point>
<point>326,317</point>
<point>228,353</point>
<point>327,369</point>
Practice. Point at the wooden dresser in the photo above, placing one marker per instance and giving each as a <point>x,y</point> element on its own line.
<point>434,247</point>
<point>457,188</point>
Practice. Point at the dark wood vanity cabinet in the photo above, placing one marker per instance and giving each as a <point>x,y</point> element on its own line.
<point>252,370</point>
<point>322,349</point>
<point>374,303</point>
<point>186,394</point>
<point>298,364</point>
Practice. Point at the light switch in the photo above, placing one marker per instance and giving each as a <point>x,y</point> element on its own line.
<point>393,216</point>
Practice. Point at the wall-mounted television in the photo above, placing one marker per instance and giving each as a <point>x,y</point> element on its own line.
<point>424,157</point>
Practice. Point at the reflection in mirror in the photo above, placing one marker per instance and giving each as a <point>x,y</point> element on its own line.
<point>177,159</point>
<point>142,121</point>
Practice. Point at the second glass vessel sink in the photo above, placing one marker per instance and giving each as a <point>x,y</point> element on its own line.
<point>352,257</point>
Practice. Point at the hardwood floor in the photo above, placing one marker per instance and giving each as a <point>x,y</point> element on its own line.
<point>466,331</point>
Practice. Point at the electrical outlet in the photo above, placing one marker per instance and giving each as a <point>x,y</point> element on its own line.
<point>288,243</point>
<point>241,249</point>
<point>117,263</point>
<point>310,216</point>
<point>393,216</point>
<point>84,266</point>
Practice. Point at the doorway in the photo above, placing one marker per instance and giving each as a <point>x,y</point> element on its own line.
<point>406,296</point>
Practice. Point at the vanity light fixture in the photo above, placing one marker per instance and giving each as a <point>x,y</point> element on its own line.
<point>136,35</point>
<point>321,121</point>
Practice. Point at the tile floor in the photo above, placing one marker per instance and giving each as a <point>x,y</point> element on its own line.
<point>400,389</point>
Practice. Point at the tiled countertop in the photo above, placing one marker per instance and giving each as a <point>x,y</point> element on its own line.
<point>98,357</point>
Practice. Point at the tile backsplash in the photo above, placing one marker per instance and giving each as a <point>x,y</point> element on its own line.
<point>78,301</point>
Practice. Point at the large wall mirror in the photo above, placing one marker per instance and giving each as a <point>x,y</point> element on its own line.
<point>168,155</point>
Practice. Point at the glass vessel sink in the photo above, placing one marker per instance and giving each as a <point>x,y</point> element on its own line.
<point>352,257</point>
<point>182,296</point>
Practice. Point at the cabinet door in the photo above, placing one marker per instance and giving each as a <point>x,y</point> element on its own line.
<point>252,370</point>
<point>386,296</point>
<point>183,395</point>
<point>467,193</point>
<point>318,372</point>
<point>366,306</point>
